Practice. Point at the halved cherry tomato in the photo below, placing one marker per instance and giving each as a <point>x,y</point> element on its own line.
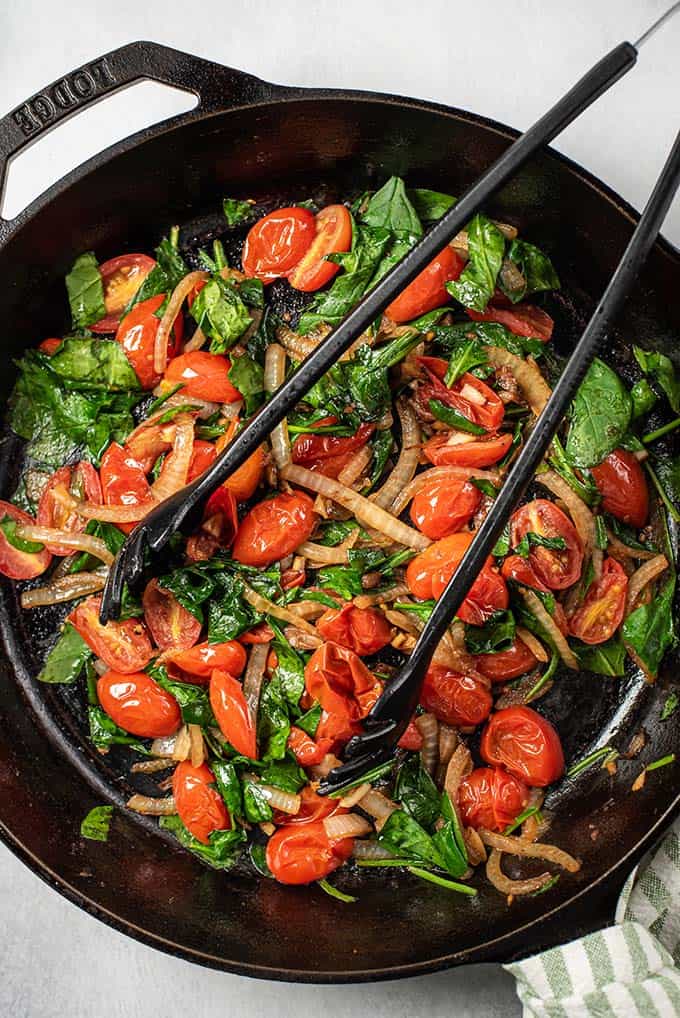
<point>341,682</point>
<point>623,487</point>
<point>329,454</point>
<point>200,661</point>
<point>261,633</point>
<point>411,739</point>
<point>457,448</point>
<point>313,807</point>
<point>170,624</point>
<point>429,572</point>
<point>148,443</point>
<point>304,853</point>
<point>601,613</point>
<point>306,751</point>
<point>557,568</point>
<point>363,630</point>
<point>274,528</point>
<point>244,481</point>
<point>277,242</point>
<point>428,290</point>
<point>49,346</point>
<point>469,395</point>
<point>506,664</point>
<point>218,529</point>
<point>203,375</point>
<point>521,571</point>
<point>82,482</point>
<point>122,278</point>
<point>333,233</point>
<point>232,713</point>
<point>490,797</point>
<point>199,805</point>
<point>138,704</point>
<point>522,319</point>
<point>137,335</point>
<point>20,565</point>
<point>442,507</point>
<point>123,646</point>
<point>336,728</point>
<point>123,480</point>
<point>454,698</point>
<point>523,742</point>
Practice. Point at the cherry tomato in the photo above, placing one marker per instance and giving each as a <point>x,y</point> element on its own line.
<point>148,443</point>
<point>300,854</point>
<point>203,375</point>
<point>123,646</point>
<point>363,630</point>
<point>274,528</point>
<point>506,664</point>
<point>123,480</point>
<point>411,739</point>
<point>306,751</point>
<point>333,233</point>
<point>200,661</point>
<point>261,633</point>
<point>49,346</point>
<point>428,290</point>
<point>277,242</point>
<point>336,728</point>
<point>171,625</point>
<point>329,454</point>
<point>471,397</point>
<point>137,335</point>
<point>218,529</point>
<point>243,482</point>
<point>122,278</point>
<point>522,319</point>
<point>557,568</point>
<point>341,682</point>
<point>523,742</point>
<point>20,565</point>
<point>232,713</point>
<point>454,698</point>
<point>442,507</point>
<point>81,481</point>
<point>491,798</point>
<point>138,704</point>
<point>199,805</point>
<point>457,448</point>
<point>601,613</point>
<point>521,571</point>
<point>429,572</point>
<point>623,487</point>
<point>313,807</point>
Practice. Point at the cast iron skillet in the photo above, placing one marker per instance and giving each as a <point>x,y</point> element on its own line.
<point>247,137</point>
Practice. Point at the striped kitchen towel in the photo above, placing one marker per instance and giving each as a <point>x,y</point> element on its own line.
<point>629,969</point>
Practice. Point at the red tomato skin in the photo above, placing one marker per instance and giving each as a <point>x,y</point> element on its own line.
<point>232,713</point>
<point>333,226</point>
<point>171,625</point>
<point>523,742</point>
<point>218,529</point>
<point>244,482</point>
<point>490,797</point>
<point>506,664</point>
<point>483,452</point>
<point>521,571</point>
<point>203,455</point>
<point>621,482</point>
<point>261,633</point>
<point>201,660</point>
<point>300,854</point>
<point>306,751</point>
<point>411,739</point>
<point>556,569</point>
<point>137,335</point>
<point>603,609</point>
<point>138,704</point>
<point>454,698</point>
<point>443,507</point>
<point>134,268</point>
<point>20,565</point>
<point>123,481</point>
<point>328,454</point>
<point>488,414</point>
<point>341,682</point>
<point>200,807</point>
<point>428,290</point>
<point>363,630</point>
<point>51,514</point>
<point>277,242</point>
<point>274,528</point>
<point>202,375</point>
<point>50,345</point>
<point>429,572</point>
<point>313,808</point>
<point>123,646</point>
<point>522,319</point>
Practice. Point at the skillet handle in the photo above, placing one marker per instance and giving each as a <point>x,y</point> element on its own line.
<point>217,87</point>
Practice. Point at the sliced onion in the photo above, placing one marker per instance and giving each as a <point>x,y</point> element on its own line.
<point>459,767</point>
<point>353,470</point>
<point>181,291</point>
<point>448,743</point>
<point>203,407</point>
<point>322,770</point>
<point>164,746</point>
<point>65,589</point>
<point>460,241</point>
<point>196,342</point>
<point>428,726</point>
<point>176,467</point>
<point>506,885</point>
<point>116,513</point>
<point>267,607</point>
<point>476,850</point>
<point>197,752</point>
<point>535,606</point>
<point>285,802</point>
<point>641,577</point>
<point>618,550</point>
<point>309,609</point>
<point>364,510</point>
<point>353,797</point>
<point>449,473</point>
<point>533,643</point>
<point>383,597</point>
<point>583,518</point>
<point>100,667</point>
<point>252,680</point>
<point>301,641</point>
<point>530,849</point>
<point>152,807</point>
<point>465,662</point>
<point>535,389</point>
<point>79,542</point>
<point>182,747</point>
<point>298,347</point>
<point>346,825</point>
<point>274,375</point>
<point>407,463</point>
<point>377,804</point>
<point>328,556</point>
<point>152,766</point>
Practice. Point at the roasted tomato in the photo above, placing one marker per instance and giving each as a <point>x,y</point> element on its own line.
<point>202,456</point>
<point>471,397</point>
<point>200,662</point>
<point>313,807</point>
<point>329,454</point>
<point>333,233</point>
<point>623,487</point>
<point>148,443</point>
<point>305,749</point>
<point>556,568</point>
<point>274,528</point>
<point>454,698</point>
<point>171,625</point>
<point>16,563</point>
<point>123,646</point>
<point>261,633</point>
<point>341,682</point>
<point>411,739</point>
<point>202,375</point>
<point>123,480</point>
<point>523,742</point>
<point>199,805</point>
<point>122,278</point>
<point>521,571</point>
<point>80,482</point>
<point>363,630</point>
<point>138,704</point>
<point>522,319</point>
<point>277,242</point>
<point>491,798</point>
<point>601,613</point>
<point>137,335</point>
<point>429,572</point>
<point>459,449</point>
<point>50,345</point>
<point>244,481</point>
<point>232,713</point>
<point>218,529</point>
<point>506,664</point>
<point>302,853</point>
<point>428,290</point>
<point>443,507</point>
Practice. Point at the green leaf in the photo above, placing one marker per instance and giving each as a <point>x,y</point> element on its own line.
<point>87,363</point>
<point>223,851</point>
<point>450,337</point>
<point>417,793</point>
<point>584,486</point>
<point>662,370</point>
<point>105,733</point>
<point>309,721</point>
<point>191,586</point>
<point>229,786</point>
<point>110,534</point>
<point>449,415</point>
<point>670,706</point>
<point>192,699</point>
<point>228,614</point>
<point>449,841</point>
<point>67,658</point>
<point>600,416</point>
<point>85,291</point>
<point>497,634</point>
<point>237,211</point>
<point>533,540</point>
<point>650,629</point>
<point>404,837</point>
<point>603,658</point>
<point>290,672</point>
<point>258,857</point>
<point>95,826</point>
<point>251,292</point>
<point>476,284</point>
<point>284,774</point>
<point>8,526</point>
<point>390,209</point>
<point>255,803</point>
<point>537,269</point>
<point>381,448</point>
<point>247,376</point>
<point>169,270</point>
<point>273,726</point>
<point>464,357</point>
<point>643,397</point>
<point>430,205</point>
<point>336,531</point>
<point>219,311</point>
<point>333,892</point>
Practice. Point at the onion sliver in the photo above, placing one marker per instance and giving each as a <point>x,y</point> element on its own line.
<point>370,850</point>
<point>642,576</point>
<point>356,466</point>
<point>252,680</point>
<point>267,607</point>
<point>450,473</point>
<point>407,462</point>
<point>377,804</point>
<point>346,825</point>
<point>535,389</point>
<point>182,290</point>
<point>152,807</point>
<point>202,407</point>
<point>533,643</point>
<point>428,726</point>
<point>506,885</point>
<point>583,518</point>
<point>274,375</point>
<point>173,477</point>
<point>383,597</point>
<point>458,767</point>
<point>286,802</point>
<point>531,849</point>
<point>619,550</point>
<point>196,342</point>
<point>64,589</point>
<point>535,606</point>
<point>79,542</point>
<point>115,513</point>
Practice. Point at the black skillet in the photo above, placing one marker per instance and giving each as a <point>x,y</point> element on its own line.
<point>250,138</point>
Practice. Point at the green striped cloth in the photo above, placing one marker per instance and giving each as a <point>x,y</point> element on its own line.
<point>628,969</point>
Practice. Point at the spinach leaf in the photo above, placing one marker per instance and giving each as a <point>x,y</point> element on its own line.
<point>229,786</point>
<point>476,284</point>
<point>600,416</point>
<point>603,658</point>
<point>284,774</point>
<point>273,726</point>
<point>220,312</point>
<point>650,629</point>
<point>237,211</point>
<point>247,376</point>
<point>264,334</point>
<point>251,292</point>
<point>497,633</point>
<point>390,209</point>
<point>192,699</point>
<point>113,538</point>
<point>644,398</point>
<point>192,587</point>
<point>87,363</point>
<point>449,415</point>
<point>309,721</point>
<point>537,269</point>
<point>430,205</point>
<point>449,337</point>
<point>464,357</point>
<point>583,485</point>
<point>381,448</point>
<point>417,793</point>
<point>224,848</point>
<point>449,841</point>
<point>66,659</point>
<point>344,580</point>
<point>229,615</point>
<point>336,531</point>
<point>105,733</point>
<point>85,291</point>
<point>290,671</point>
<point>404,837</point>
<point>169,269</point>
<point>255,803</point>
<point>533,540</point>
<point>95,826</point>
<point>662,370</point>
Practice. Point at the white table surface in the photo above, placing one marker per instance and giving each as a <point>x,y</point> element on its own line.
<point>504,60</point>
